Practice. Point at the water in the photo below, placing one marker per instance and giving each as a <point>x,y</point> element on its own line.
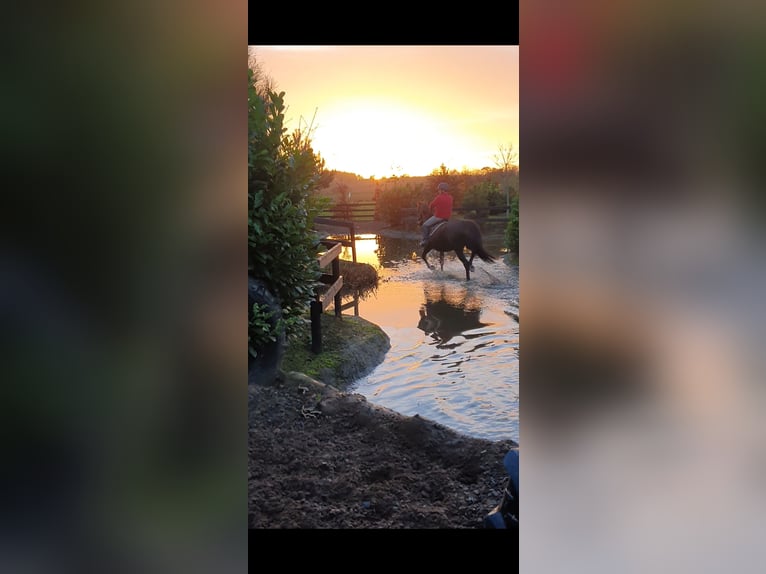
<point>454,347</point>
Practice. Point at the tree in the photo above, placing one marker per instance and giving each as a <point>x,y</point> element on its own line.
<point>343,193</point>
<point>512,229</point>
<point>505,160</point>
<point>264,84</point>
<point>395,196</point>
<point>484,196</point>
<point>284,173</point>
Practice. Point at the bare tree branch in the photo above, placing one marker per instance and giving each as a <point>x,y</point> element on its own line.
<point>505,159</point>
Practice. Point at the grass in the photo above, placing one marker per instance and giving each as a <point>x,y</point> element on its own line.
<point>351,346</point>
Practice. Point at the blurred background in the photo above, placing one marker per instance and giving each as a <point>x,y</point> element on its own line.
<point>122,271</point>
<point>641,257</point>
<point>122,288</point>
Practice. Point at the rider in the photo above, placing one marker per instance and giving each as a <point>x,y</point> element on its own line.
<point>441,207</point>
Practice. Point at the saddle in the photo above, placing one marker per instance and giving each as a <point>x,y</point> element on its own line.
<point>437,226</point>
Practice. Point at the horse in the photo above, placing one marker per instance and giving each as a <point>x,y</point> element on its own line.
<point>454,235</point>
<point>443,319</point>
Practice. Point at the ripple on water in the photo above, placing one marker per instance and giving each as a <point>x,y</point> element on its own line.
<point>454,351</point>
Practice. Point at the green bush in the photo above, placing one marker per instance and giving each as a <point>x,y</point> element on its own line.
<point>260,328</point>
<point>283,174</point>
<point>485,195</point>
<point>512,230</point>
<point>396,196</point>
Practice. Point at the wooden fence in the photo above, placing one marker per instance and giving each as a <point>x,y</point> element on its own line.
<point>364,211</point>
<point>349,231</point>
<point>359,211</point>
<point>331,295</point>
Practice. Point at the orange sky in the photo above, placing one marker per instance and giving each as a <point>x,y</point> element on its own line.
<point>396,110</point>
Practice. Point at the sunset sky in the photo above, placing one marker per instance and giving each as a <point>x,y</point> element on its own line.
<point>400,110</point>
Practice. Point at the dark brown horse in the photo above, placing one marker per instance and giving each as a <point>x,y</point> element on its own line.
<point>455,235</point>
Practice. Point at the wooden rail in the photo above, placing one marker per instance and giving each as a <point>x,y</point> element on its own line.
<point>359,211</point>
<point>354,303</point>
<point>331,295</point>
<point>350,240</point>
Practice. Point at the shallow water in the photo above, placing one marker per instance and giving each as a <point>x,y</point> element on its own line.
<point>454,347</point>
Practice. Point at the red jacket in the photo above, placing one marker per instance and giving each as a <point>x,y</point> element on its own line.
<point>441,206</point>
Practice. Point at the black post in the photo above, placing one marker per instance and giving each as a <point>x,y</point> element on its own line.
<point>316,327</point>
<point>335,275</point>
<point>353,242</point>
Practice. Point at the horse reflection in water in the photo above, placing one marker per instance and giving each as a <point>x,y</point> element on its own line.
<point>448,313</point>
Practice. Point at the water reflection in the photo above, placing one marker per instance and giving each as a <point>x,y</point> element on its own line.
<point>394,249</point>
<point>454,352</point>
<point>449,312</point>
<point>385,251</point>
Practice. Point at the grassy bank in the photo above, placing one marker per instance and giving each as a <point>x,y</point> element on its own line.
<point>351,348</point>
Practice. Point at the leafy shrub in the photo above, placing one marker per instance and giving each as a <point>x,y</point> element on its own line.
<point>512,230</point>
<point>261,327</point>
<point>395,197</point>
<point>283,173</point>
<point>485,195</point>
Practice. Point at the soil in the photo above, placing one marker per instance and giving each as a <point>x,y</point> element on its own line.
<point>322,458</point>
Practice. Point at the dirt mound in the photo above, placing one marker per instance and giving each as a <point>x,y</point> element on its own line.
<point>321,458</point>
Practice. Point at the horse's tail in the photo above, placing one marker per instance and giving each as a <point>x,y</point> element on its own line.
<point>483,255</point>
<point>476,245</point>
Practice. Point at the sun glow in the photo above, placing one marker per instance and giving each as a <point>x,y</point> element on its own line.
<point>366,250</point>
<point>386,111</point>
<point>384,138</point>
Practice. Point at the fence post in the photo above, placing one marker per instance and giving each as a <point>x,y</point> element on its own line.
<point>321,302</point>
<point>338,301</point>
<point>316,326</point>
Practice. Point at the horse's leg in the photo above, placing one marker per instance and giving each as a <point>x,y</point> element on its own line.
<point>461,256</point>
<point>470,261</point>
<point>425,252</point>
<point>441,259</point>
